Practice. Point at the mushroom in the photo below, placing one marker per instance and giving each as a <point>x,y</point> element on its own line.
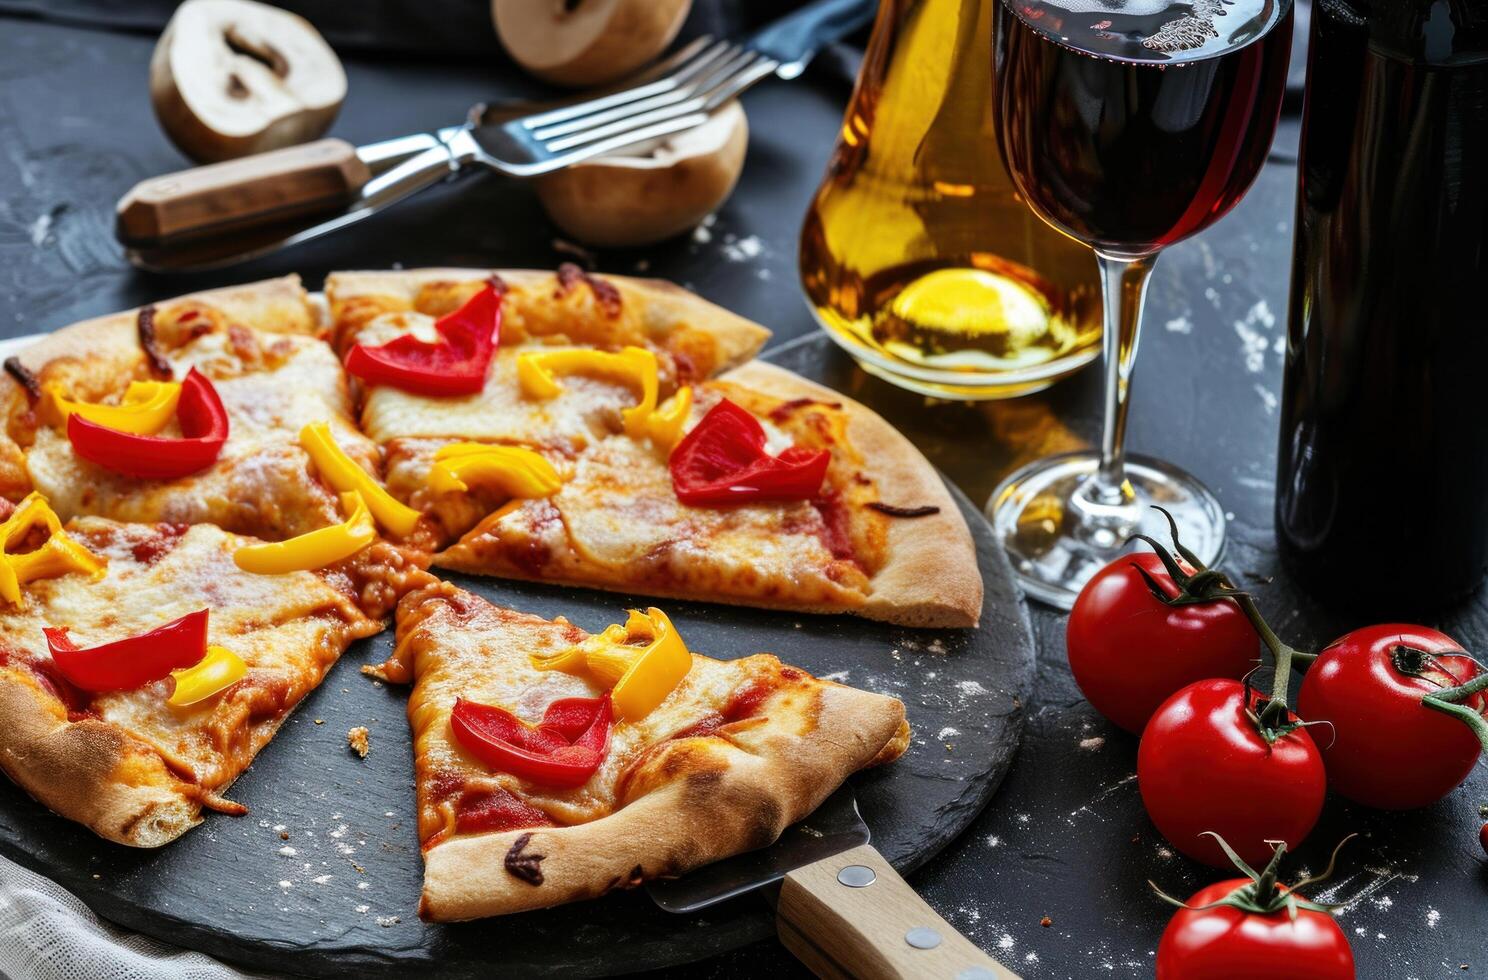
<point>586,42</point>
<point>651,191</point>
<point>234,77</point>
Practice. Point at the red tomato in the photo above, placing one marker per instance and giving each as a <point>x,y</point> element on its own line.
<point>1129,652</point>
<point>1388,750</point>
<point>1203,766</point>
<point>1226,943</point>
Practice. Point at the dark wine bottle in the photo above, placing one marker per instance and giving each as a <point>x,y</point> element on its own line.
<point>1382,472</point>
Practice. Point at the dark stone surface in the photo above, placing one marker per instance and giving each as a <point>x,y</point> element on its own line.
<point>328,854</point>
<point>1065,837</point>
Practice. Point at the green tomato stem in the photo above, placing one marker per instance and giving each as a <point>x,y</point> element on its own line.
<point>1462,712</point>
<point>1282,656</point>
<point>1449,702</point>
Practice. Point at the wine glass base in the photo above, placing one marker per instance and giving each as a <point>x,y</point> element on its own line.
<point>1030,516</point>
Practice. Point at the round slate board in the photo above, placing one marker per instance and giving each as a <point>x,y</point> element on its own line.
<point>322,876</point>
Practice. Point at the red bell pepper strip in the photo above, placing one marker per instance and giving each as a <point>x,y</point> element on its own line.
<point>454,365</point>
<point>204,429</point>
<point>563,751</point>
<point>723,461</point>
<point>124,665</point>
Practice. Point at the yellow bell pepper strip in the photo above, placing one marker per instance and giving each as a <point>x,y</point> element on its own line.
<point>341,472</point>
<point>633,365</point>
<point>219,670</point>
<point>665,424</point>
<point>314,549</point>
<point>59,555</point>
<point>144,410</point>
<point>517,471</point>
<point>640,676</point>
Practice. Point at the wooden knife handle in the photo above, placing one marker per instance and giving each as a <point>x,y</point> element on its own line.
<point>224,197</point>
<point>853,916</point>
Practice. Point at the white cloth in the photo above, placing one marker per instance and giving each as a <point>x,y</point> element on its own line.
<point>46,933</point>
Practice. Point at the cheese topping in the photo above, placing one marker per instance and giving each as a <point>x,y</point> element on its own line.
<point>485,658</point>
<point>287,631</point>
<point>259,483</point>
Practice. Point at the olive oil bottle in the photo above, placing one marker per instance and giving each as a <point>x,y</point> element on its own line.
<point>917,255</point>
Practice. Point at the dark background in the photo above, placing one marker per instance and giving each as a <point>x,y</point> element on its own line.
<point>1065,837</point>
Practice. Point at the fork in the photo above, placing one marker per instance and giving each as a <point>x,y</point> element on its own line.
<point>230,212</point>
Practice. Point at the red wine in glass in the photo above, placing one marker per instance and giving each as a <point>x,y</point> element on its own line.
<point>1128,125</point>
<point>1123,132</point>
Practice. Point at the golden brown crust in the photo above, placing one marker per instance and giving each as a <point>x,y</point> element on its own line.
<point>930,577</point>
<point>685,801</point>
<point>654,306</point>
<point>75,769</point>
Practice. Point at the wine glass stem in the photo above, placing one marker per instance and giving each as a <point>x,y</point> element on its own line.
<point>1108,503</point>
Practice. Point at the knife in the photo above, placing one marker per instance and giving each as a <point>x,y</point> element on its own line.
<point>229,212</point>
<point>840,908</point>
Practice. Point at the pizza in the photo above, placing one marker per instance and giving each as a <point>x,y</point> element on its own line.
<point>553,764</point>
<point>610,382</point>
<point>205,501</point>
<point>96,724</point>
<point>253,346</point>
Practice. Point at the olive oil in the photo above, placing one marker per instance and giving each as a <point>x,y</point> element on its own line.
<point>917,254</point>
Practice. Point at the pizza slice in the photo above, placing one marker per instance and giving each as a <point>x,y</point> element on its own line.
<point>190,411</point>
<point>141,669</point>
<point>563,465</point>
<point>553,765</point>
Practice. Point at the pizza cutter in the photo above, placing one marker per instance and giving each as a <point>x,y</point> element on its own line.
<point>223,213</point>
<point>840,908</point>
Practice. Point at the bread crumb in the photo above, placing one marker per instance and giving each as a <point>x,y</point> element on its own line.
<point>357,739</point>
<point>320,721</point>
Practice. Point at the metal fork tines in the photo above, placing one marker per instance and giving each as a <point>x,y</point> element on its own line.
<point>701,78</point>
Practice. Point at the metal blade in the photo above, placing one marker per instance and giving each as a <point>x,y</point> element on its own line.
<point>836,826</point>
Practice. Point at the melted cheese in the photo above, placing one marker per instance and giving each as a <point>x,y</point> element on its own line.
<point>485,657</point>
<point>621,523</point>
<point>260,484</point>
<point>501,413</point>
<point>288,629</point>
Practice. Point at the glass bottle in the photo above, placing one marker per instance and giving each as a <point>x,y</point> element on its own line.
<point>1382,471</point>
<point>917,254</point>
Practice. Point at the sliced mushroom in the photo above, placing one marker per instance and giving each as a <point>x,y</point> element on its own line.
<point>234,77</point>
<point>586,42</point>
<point>653,191</point>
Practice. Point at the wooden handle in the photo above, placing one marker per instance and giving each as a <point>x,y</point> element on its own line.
<point>853,916</point>
<point>223,197</point>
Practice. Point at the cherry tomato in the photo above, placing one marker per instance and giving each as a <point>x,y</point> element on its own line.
<point>1226,943</point>
<point>1203,766</point>
<point>1387,749</point>
<point>1129,652</point>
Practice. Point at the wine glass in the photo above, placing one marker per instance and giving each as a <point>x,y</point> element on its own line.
<point>1127,125</point>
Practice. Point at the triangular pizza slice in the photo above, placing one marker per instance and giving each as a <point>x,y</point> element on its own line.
<point>602,448</point>
<point>553,764</point>
<point>141,669</point>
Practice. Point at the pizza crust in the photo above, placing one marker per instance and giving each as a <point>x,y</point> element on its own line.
<point>716,797</point>
<point>930,576</point>
<point>663,306</point>
<point>72,768</point>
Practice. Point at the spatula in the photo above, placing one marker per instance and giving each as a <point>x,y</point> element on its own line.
<point>840,908</point>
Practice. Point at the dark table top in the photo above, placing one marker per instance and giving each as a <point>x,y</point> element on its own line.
<point>1065,837</point>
